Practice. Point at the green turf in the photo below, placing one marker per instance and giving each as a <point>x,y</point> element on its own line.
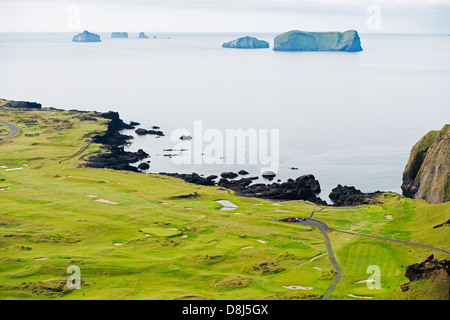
<point>46,212</point>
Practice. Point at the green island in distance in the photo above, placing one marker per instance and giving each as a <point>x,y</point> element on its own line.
<point>145,236</point>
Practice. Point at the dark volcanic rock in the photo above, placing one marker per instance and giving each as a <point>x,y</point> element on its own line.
<point>246,43</point>
<point>350,196</point>
<point>144,166</point>
<point>86,36</point>
<point>242,172</point>
<point>113,142</point>
<point>193,178</point>
<point>229,175</point>
<point>142,132</point>
<point>427,268</point>
<point>22,104</point>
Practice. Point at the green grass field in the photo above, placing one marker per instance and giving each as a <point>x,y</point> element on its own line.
<point>139,242</point>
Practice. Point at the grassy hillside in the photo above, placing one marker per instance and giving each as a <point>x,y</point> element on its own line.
<point>142,242</point>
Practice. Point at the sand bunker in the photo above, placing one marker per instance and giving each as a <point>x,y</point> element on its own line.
<point>7,188</point>
<point>213,242</point>
<point>281,210</point>
<point>105,201</point>
<point>317,257</point>
<point>3,167</point>
<point>174,229</point>
<point>258,204</point>
<point>365,281</point>
<point>243,248</point>
<point>276,204</point>
<point>359,297</point>
<point>389,216</point>
<point>183,236</point>
<point>298,288</point>
<point>317,268</point>
<point>41,258</point>
<point>148,235</point>
<point>238,213</point>
<point>261,241</point>
<point>91,196</point>
<point>188,208</point>
<point>118,244</point>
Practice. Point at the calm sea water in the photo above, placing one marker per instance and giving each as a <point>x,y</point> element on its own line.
<point>347,118</point>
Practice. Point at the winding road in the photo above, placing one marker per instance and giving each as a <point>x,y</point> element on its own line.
<point>323,227</point>
<point>14,129</point>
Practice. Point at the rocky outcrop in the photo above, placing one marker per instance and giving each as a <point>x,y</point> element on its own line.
<point>86,36</point>
<point>437,270</point>
<point>427,173</point>
<point>142,132</point>
<point>295,40</point>
<point>119,35</point>
<point>19,104</point>
<point>193,178</point>
<point>115,157</point>
<point>303,188</point>
<point>246,43</point>
<point>142,35</point>
<point>229,175</point>
<point>344,196</point>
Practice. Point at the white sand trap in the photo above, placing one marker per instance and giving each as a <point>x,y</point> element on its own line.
<point>213,242</point>
<point>41,258</point>
<point>164,203</point>
<point>365,281</point>
<point>258,204</point>
<point>183,236</point>
<point>249,247</point>
<point>105,201</point>
<point>175,205</point>
<point>91,196</point>
<point>238,213</point>
<point>317,257</point>
<point>25,165</point>
<point>389,216</point>
<point>261,241</point>
<point>148,235</point>
<point>359,297</point>
<point>7,188</point>
<point>317,268</point>
<point>174,229</point>
<point>281,210</point>
<point>298,288</point>
<point>276,204</point>
<point>118,244</point>
<point>188,208</point>
<point>3,167</point>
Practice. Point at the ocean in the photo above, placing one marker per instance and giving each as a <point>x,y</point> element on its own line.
<point>347,118</point>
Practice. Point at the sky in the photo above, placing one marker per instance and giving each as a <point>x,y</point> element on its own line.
<point>376,16</point>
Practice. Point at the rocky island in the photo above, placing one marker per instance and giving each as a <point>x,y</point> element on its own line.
<point>246,43</point>
<point>86,36</point>
<point>295,40</point>
<point>119,35</point>
<point>427,173</point>
<point>142,35</point>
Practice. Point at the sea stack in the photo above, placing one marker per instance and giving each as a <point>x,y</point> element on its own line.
<point>86,36</point>
<point>295,40</point>
<point>427,174</point>
<point>246,43</point>
<point>142,35</point>
<point>119,35</point>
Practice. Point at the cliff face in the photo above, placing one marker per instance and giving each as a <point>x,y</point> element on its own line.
<point>318,41</point>
<point>427,174</point>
